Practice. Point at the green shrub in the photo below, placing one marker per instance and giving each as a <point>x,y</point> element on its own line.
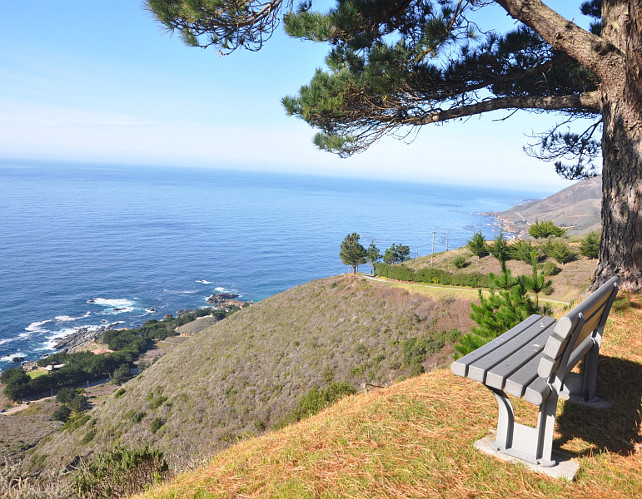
<point>157,402</point>
<point>562,253</point>
<point>120,472</point>
<point>62,413</point>
<point>590,245</point>
<point>544,229</point>
<point>415,349</point>
<point>157,424</point>
<point>460,262</point>
<point>521,250</point>
<point>119,393</point>
<point>137,417</point>
<point>89,436</point>
<point>477,245</point>
<point>499,247</point>
<point>432,275</point>
<point>316,400</point>
<point>549,269</point>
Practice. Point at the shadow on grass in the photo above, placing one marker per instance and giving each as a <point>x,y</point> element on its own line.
<point>613,429</point>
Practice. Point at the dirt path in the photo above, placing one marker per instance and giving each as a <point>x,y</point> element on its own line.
<point>450,288</point>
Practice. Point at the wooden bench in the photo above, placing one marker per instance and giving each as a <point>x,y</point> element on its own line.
<point>533,361</point>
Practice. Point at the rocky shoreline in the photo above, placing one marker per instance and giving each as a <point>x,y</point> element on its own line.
<point>81,337</point>
<point>226,300</point>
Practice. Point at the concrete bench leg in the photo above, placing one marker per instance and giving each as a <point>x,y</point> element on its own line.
<point>534,445</point>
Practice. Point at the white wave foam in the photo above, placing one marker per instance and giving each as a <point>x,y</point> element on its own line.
<point>11,356</point>
<point>36,327</point>
<point>220,289</point>
<point>68,318</point>
<point>203,281</point>
<point>6,340</point>
<point>115,305</point>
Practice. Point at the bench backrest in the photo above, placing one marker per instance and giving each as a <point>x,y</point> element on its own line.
<point>577,332</point>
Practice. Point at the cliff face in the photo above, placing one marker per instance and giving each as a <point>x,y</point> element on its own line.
<point>245,373</point>
<point>577,208</point>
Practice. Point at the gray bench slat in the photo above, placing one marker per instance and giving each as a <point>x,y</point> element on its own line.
<point>556,344</point>
<point>497,375</point>
<point>517,382</point>
<point>460,366</point>
<point>588,307</point>
<point>478,369</point>
<point>537,391</point>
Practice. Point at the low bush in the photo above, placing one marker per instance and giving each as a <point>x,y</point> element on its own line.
<point>460,262</point>
<point>544,229</point>
<point>157,424</point>
<point>433,276</point>
<point>549,269</point>
<point>562,253</point>
<point>120,472</point>
<point>316,400</point>
<point>590,245</point>
<point>416,349</point>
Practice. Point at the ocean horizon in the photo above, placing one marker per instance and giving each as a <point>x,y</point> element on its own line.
<point>91,245</point>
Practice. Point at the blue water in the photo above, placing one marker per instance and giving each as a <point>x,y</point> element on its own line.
<point>85,245</point>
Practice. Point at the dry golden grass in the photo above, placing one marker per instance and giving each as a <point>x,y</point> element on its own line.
<point>415,438</point>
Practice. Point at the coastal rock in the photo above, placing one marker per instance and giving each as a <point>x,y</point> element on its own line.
<point>225,300</point>
<point>81,337</point>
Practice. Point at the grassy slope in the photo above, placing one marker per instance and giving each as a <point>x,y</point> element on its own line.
<point>246,372</point>
<point>415,438</point>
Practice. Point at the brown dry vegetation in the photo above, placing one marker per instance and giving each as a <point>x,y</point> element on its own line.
<point>415,438</point>
<point>244,374</point>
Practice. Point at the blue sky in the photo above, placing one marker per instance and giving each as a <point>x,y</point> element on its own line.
<point>100,81</point>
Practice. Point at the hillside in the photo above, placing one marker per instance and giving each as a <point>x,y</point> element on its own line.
<point>415,438</point>
<point>246,373</point>
<point>577,208</point>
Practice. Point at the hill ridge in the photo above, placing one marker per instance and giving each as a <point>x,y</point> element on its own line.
<point>414,439</point>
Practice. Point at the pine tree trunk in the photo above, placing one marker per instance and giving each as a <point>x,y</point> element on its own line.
<point>621,245</point>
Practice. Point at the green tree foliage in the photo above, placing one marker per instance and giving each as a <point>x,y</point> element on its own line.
<point>521,250</point>
<point>590,245</point>
<point>416,349</point>
<point>120,472</point>
<point>397,253</point>
<point>62,413</point>
<point>536,282</point>
<point>121,374</point>
<point>318,399</point>
<point>477,244</point>
<point>544,229</point>
<point>395,67</point>
<point>352,251</point>
<point>372,256</point>
<point>561,252</point>
<point>506,306</point>
<point>499,247</point>
<point>460,261</point>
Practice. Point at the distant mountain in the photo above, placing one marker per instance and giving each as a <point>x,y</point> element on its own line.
<point>577,208</point>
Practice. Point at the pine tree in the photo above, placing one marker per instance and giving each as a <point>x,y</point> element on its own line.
<point>506,305</point>
<point>352,252</point>
<point>372,256</point>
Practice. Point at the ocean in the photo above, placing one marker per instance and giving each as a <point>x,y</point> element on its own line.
<point>91,245</point>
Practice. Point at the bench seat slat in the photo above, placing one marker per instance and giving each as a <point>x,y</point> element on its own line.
<point>497,375</point>
<point>518,381</point>
<point>460,366</point>
<point>480,368</point>
<point>537,391</point>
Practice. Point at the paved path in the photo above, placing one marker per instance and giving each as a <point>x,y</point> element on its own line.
<point>453,288</point>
